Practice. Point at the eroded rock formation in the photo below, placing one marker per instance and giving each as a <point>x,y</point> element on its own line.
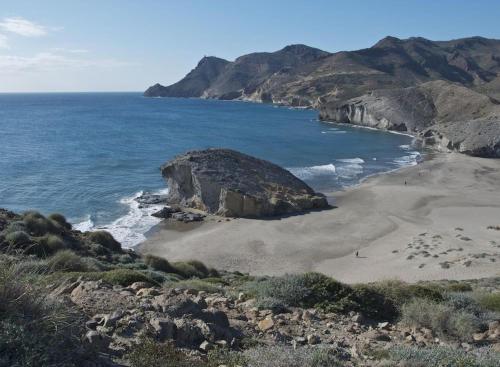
<point>229,183</point>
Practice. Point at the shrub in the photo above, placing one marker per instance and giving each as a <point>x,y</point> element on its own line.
<point>37,224</point>
<point>98,250</point>
<point>490,301</point>
<point>18,239</point>
<point>400,292</point>
<point>149,352</point>
<point>60,219</point>
<point>52,243</point>
<point>464,302</point>
<point>32,266</point>
<point>290,290</point>
<point>459,287</point>
<point>105,239</point>
<point>124,277</point>
<point>281,356</point>
<point>270,303</point>
<point>15,227</point>
<point>66,260</point>
<point>195,284</point>
<point>319,291</point>
<point>190,269</point>
<point>34,329</point>
<point>443,356</point>
<point>441,318</point>
<point>158,263</point>
<point>225,357</point>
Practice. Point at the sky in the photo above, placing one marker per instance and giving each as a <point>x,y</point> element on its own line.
<point>128,45</point>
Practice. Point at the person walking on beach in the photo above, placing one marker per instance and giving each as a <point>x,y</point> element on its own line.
<point>357,253</point>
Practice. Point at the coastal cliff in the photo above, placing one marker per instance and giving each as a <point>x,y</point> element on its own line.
<point>413,85</point>
<point>444,115</point>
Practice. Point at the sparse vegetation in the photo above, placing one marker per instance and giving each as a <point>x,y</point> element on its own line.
<point>490,301</point>
<point>443,356</point>
<point>60,219</point>
<point>442,318</point>
<point>104,239</point>
<point>159,263</point>
<point>66,260</point>
<point>150,353</point>
<point>34,329</point>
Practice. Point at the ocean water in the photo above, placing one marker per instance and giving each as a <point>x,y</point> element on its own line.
<point>88,155</point>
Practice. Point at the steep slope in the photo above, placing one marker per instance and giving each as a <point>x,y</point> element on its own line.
<point>194,83</point>
<point>301,75</point>
<point>446,115</point>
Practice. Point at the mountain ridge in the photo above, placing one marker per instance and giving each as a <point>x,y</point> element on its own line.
<point>303,76</point>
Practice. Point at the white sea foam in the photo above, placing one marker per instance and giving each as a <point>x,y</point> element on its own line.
<point>412,159</point>
<point>129,229</point>
<point>85,225</point>
<point>309,172</point>
<point>352,160</point>
<point>334,132</point>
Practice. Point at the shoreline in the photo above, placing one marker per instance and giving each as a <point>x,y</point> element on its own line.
<point>434,227</point>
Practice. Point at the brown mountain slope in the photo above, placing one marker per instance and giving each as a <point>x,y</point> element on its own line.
<point>299,75</point>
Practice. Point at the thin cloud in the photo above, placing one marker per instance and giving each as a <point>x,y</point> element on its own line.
<point>46,61</point>
<point>4,43</point>
<point>23,27</point>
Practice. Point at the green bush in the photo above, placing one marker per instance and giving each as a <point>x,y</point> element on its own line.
<point>490,301</point>
<point>60,219</point>
<point>18,239</point>
<point>443,357</point>
<point>459,287</point>
<point>124,277</point>
<point>195,284</point>
<point>158,263</point>
<point>66,260</point>
<point>289,290</point>
<point>52,243</point>
<point>37,224</point>
<point>36,330</point>
<point>32,266</point>
<point>105,239</point>
<point>400,292</point>
<point>319,291</point>
<point>190,269</point>
<point>14,227</point>
<point>441,318</point>
<point>151,353</point>
<point>284,356</point>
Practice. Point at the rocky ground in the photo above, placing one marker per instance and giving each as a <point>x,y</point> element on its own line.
<point>199,321</point>
<point>78,299</point>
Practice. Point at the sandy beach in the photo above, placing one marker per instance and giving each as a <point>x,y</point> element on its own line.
<point>432,227</point>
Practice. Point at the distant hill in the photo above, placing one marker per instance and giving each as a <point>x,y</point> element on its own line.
<point>299,75</point>
<point>398,84</point>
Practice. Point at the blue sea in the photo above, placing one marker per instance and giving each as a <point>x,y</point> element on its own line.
<point>88,155</point>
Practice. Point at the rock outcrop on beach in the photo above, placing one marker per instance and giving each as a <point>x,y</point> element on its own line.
<point>228,183</point>
<point>397,84</point>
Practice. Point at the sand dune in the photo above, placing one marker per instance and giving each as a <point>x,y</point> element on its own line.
<point>434,227</point>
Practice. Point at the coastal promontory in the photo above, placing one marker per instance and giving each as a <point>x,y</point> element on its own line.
<point>229,183</point>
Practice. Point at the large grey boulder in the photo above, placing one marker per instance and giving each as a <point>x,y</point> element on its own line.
<point>233,184</point>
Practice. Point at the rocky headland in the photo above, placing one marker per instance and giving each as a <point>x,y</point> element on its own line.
<point>232,184</point>
<point>411,85</point>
